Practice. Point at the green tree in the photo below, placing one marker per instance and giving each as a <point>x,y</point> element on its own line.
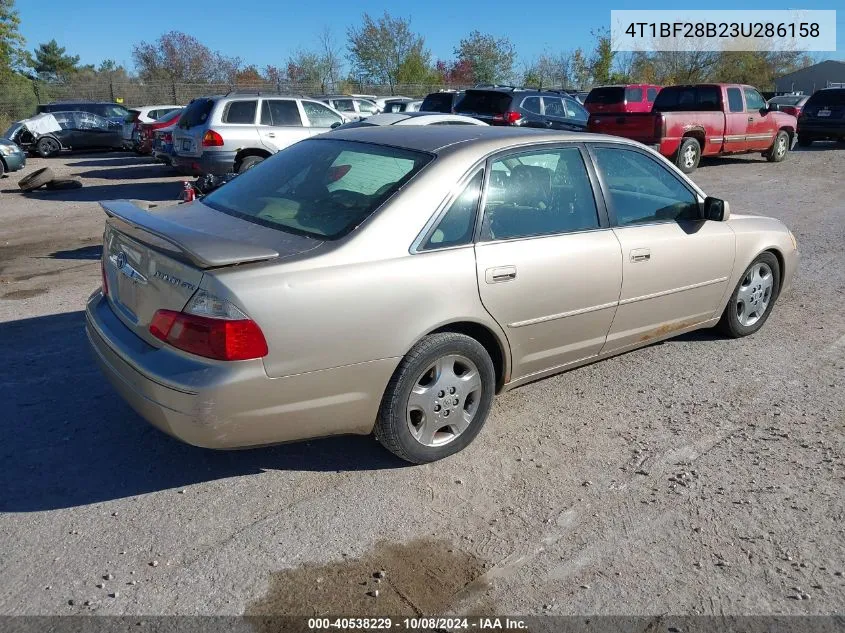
<point>490,58</point>
<point>580,69</point>
<point>378,49</point>
<point>601,61</point>
<point>12,54</point>
<point>52,62</point>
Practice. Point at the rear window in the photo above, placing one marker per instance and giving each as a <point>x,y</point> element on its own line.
<point>688,99</point>
<point>787,100</point>
<point>438,102</point>
<point>111,111</point>
<point>322,188</point>
<point>485,102</point>
<point>166,115</point>
<point>633,95</point>
<point>613,94</point>
<point>196,113</point>
<point>240,112</point>
<point>830,97</point>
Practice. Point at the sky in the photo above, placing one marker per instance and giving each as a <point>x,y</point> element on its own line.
<point>263,32</point>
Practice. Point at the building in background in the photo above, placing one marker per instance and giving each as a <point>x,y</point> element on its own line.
<point>829,74</point>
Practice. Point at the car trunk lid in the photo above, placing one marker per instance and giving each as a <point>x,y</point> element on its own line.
<point>154,261</point>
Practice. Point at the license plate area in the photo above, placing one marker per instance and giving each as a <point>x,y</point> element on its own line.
<point>186,145</point>
<point>824,112</point>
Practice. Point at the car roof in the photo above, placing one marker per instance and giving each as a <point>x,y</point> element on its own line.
<point>440,139</point>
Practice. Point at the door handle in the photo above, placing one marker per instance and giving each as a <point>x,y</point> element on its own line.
<point>751,119</point>
<point>271,134</point>
<point>640,255</point>
<point>502,273</point>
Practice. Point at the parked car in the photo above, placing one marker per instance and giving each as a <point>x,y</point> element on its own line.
<point>114,112</point>
<point>146,131</point>
<point>391,281</point>
<point>381,101</point>
<point>791,104</point>
<point>443,101</point>
<point>554,110</point>
<point>352,108</point>
<point>163,145</point>
<point>413,118</point>
<point>49,133</point>
<point>236,131</point>
<point>823,117</point>
<point>688,122</point>
<point>138,116</point>
<point>630,98</point>
<point>402,105</point>
<point>12,157</point>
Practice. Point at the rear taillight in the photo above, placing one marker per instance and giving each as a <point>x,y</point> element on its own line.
<point>789,110</point>
<point>510,117</point>
<point>167,137</point>
<point>212,328</point>
<point>212,139</point>
<point>658,126</point>
<point>105,278</point>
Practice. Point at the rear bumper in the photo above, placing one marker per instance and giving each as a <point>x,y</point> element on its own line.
<point>822,129</point>
<point>231,405</point>
<point>217,163</point>
<point>14,162</point>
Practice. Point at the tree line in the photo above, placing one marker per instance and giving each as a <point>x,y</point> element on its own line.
<point>385,50</point>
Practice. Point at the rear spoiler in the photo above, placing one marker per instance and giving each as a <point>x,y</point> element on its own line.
<point>202,249</point>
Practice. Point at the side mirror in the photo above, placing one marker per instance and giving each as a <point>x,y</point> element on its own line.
<point>773,107</point>
<point>716,209</point>
<point>336,124</point>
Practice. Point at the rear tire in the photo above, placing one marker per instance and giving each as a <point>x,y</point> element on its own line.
<point>248,163</point>
<point>753,298</point>
<point>688,156</point>
<point>452,381</point>
<point>36,179</point>
<point>48,147</point>
<point>804,141</point>
<point>779,148</point>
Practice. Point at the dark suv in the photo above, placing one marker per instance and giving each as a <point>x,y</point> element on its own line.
<point>443,101</point>
<point>507,105</point>
<point>823,117</point>
<point>112,111</point>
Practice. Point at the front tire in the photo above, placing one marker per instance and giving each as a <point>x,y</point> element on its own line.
<point>47,147</point>
<point>779,148</point>
<point>689,155</point>
<point>438,398</point>
<point>753,298</point>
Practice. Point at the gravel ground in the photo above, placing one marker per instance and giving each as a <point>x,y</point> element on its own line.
<point>696,476</point>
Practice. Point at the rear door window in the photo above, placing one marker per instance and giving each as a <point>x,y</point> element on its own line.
<point>652,94</point>
<point>240,112</point>
<point>575,111</point>
<point>280,112</point>
<point>554,107</point>
<point>319,115</point>
<point>196,113</point>
<point>735,100</point>
<point>532,104</point>
<point>688,99</point>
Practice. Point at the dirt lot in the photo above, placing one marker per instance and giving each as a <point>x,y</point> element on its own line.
<point>697,476</point>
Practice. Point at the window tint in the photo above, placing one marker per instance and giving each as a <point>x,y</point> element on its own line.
<point>554,107</point>
<point>319,187</point>
<point>641,190</point>
<point>456,226</point>
<point>575,111</point>
<point>240,112</point>
<point>610,94</point>
<point>652,93</point>
<point>532,104</point>
<point>438,102</point>
<point>735,100</point>
<point>280,112</point>
<point>196,113</point>
<point>633,95</point>
<point>753,100</point>
<point>688,99</point>
<point>539,193</point>
<point>485,102</point>
<point>319,115</point>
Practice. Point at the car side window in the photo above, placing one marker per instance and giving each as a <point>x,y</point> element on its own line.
<point>575,111</point>
<point>240,112</point>
<point>641,190</point>
<point>280,112</point>
<point>366,106</point>
<point>753,100</point>
<point>539,193</point>
<point>319,115</point>
<point>735,100</point>
<point>344,105</point>
<point>554,107</point>
<point>652,94</point>
<point>532,104</point>
<point>456,226</point>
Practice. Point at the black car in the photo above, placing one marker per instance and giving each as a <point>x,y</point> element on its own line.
<point>823,117</point>
<point>77,130</point>
<point>106,109</point>
<point>443,102</point>
<point>548,109</point>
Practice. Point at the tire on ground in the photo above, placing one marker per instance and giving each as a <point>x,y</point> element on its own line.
<point>729,324</point>
<point>249,162</point>
<point>47,147</point>
<point>687,145</point>
<point>392,427</point>
<point>775,155</point>
<point>64,183</point>
<point>36,179</point>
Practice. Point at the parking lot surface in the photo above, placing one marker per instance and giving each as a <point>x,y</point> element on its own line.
<point>697,476</point>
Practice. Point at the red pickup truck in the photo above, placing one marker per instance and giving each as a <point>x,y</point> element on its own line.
<point>688,122</point>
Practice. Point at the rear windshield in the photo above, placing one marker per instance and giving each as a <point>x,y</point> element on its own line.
<point>438,102</point>
<point>830,97</point>
<point>196,113</point>
<point>169,114</point>
<point>322,188</point>
<point>787,100</point>
<point>688,99</point>
<point>613,94</point>
<point>485,102</point>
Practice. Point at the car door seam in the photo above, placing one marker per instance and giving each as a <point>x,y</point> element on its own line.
<point>663,293</point>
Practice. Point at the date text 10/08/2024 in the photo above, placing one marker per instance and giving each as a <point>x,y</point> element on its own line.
<point>417,624</point>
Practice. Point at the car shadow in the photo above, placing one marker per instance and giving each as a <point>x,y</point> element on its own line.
<point>137,170</point>
<point>84,252</point>
<point>820,146</point>
<point>117,161</point>
<point>70,440</point>
<point>153,191</point>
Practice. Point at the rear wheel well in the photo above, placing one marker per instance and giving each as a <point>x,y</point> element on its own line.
<point>698,135</point>
<point>487,338</point>
<point>252,151</point>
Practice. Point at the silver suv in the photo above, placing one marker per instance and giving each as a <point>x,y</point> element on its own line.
<point>352,108</point>
<point>236,131</point>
